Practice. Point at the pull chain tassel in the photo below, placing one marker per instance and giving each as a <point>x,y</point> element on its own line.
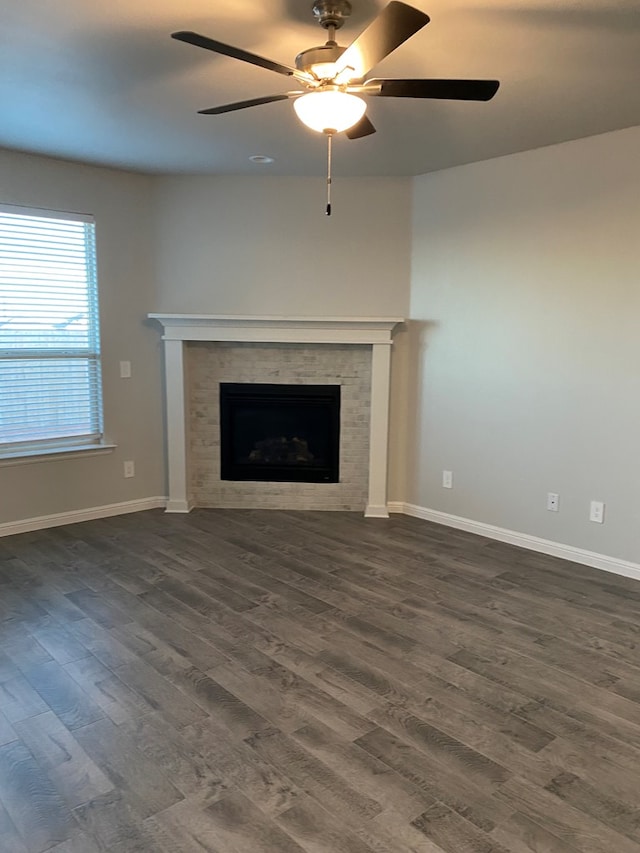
<point>329,163</point>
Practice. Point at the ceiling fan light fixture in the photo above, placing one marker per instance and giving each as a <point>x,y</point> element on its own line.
<point>329,110</point>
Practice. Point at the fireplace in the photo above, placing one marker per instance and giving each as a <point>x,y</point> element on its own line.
<point>203,350</point>
<point>279,433</point>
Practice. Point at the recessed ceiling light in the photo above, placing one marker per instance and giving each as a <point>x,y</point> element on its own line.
<point>261,159</point>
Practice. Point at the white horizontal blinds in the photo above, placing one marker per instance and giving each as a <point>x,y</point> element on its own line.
<point>49,337</point>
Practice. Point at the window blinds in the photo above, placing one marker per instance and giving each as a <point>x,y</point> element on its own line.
<point>50,385</point>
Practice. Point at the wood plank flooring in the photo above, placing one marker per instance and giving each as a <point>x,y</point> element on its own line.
<point>238,681</point>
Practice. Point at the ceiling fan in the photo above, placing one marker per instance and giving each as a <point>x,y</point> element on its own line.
<point>332,77</point>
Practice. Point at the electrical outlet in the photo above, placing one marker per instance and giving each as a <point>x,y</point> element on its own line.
<point>447,479</point>
<point>129,468</point>
<point>125,370</point>
<point>553,502</point>
<point>596,512</point>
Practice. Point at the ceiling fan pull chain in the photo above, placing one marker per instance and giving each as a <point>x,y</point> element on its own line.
<point>329,153</point>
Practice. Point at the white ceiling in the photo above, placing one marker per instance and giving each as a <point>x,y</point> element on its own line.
<point>104,83</point>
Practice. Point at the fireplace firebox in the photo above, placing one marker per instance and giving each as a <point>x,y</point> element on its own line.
<point>280,433</point>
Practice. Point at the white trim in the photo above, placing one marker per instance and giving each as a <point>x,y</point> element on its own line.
<point>379,431</point>
<point>277,329</point>
<point>42,522</point>
<point>177,425</point>
<point>373,511</point>
<point>523,540</point>
<point>178,506</point>
<point>51,454</point>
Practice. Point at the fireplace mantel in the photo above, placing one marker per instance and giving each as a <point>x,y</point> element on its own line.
<point>277,329</point>
<point>376,332</point>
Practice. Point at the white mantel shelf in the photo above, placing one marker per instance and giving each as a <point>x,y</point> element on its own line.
<point>277,329</point>
<point>376,332</point>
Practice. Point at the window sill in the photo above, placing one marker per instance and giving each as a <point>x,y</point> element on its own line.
<point>26,457</point>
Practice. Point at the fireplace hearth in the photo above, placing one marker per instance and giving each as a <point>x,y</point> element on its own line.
<point>279,433</point>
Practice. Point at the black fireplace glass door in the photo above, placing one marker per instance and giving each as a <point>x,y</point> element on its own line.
<point>279,433</point>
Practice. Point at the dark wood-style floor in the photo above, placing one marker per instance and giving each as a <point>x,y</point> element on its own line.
<point>271,682</point>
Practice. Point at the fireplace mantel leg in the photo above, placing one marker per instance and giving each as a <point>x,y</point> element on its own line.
<point>379,431</point>
<point>176,426</point>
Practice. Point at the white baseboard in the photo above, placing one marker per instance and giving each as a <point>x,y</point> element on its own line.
<point>373,511</point>
<point>74,516</point>
<point>501,534</point>
<point>178,506</point>
<point>523,540</point>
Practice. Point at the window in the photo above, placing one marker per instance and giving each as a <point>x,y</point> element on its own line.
<point>50,385</point>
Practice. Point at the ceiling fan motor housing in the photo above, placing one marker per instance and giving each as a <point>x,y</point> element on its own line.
<point>324,53</point>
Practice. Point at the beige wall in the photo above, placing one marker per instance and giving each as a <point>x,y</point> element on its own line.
<point>237,245</point>
<point>203,245</point>
<point>262,245</point>
<point>526,345</point>
<point>133,414</point>
<point>522,370</point>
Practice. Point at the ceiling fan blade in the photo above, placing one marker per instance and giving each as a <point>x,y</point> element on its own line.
<point>362,128</point>
<point>394,25</point>
<point>242,105</point>
<point>234,52</point>
<point>456,90</point>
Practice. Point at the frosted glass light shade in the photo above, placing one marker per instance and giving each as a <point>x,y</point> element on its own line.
<point>329,110</point>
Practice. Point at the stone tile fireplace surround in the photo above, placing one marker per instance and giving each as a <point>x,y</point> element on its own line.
<point>203,350</point>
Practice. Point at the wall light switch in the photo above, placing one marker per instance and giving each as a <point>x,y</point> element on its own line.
<point>125,370</point>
